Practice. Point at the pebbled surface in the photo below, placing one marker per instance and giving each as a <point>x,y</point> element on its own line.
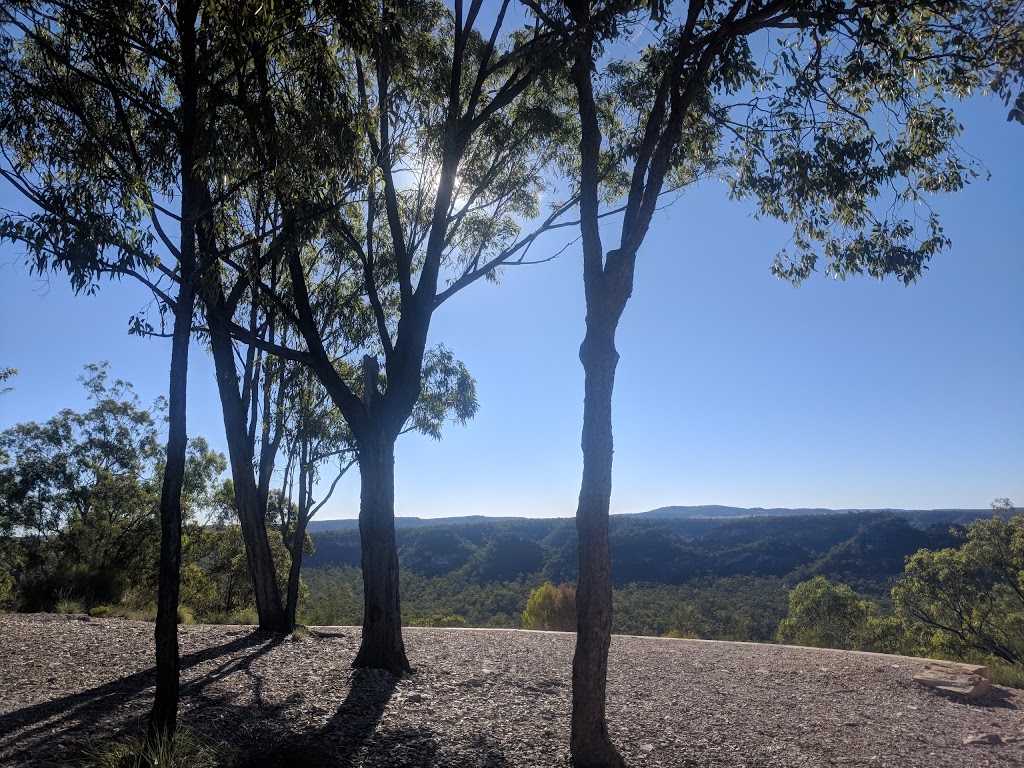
<point>490,698</point>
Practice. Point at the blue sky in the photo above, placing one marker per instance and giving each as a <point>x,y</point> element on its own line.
<point>733,388</point>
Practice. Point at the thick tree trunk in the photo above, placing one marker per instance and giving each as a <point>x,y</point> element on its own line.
<point>163,717</point>
<point>382,645</point>
<point>590,742</point>
<point>269,608</point>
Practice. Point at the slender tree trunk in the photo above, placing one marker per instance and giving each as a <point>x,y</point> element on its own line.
<point>163,717</point>
<point>272,616</point>
<point>295,571</point>
<point>382,645</point>
<point>590,742</point>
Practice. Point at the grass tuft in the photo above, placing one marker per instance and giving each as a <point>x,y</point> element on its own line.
<point>70,606</point>
<point>186,749</point>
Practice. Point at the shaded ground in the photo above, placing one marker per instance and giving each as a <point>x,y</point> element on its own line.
<point>490,698</point>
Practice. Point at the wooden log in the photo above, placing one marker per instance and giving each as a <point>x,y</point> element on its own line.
<point>967,680</point>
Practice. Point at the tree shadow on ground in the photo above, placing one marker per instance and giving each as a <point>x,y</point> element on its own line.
<point>354,737</point>
<point>341,739</point>
<point>29,732</point>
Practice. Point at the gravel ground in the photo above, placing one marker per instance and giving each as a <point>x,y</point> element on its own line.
<point>490,698</point>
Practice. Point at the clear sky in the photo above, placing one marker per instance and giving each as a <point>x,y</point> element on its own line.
<point>733,388</point>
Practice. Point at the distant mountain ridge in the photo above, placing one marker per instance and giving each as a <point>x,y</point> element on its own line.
<point>348,524</point>
<point>717,510</point>
<point>705,511</point>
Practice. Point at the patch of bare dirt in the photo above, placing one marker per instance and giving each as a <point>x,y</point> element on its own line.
<point>490,698</point>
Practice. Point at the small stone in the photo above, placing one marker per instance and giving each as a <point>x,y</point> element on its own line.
<point>984,738</point>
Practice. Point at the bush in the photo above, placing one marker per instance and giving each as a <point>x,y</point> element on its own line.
<point>551,608</point>
<point>67,604</point>
<point>244,616</point>
<point>101,611</point>
<point>1004,673</point>
<point>825,616</point>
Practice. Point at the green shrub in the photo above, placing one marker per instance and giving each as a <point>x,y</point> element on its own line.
<point>101,611</point>
<point>144,612</point>
<point>1003,673</point>
<point>134,613</point>
<point>971,595</point>
<point>552,608</point>
<point>244,616</point>
<point>823,615</point>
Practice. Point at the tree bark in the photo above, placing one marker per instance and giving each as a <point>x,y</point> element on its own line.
<point>163,717</point>
<point>606,289</point>
<point>382,645</point>
<point>269,608</point>
<point>295,571</point>
<point>590,743</point>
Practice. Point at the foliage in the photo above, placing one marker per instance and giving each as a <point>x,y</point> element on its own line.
<point>822,615</point>
<point>972,596</point>
<point>79,498</point>
<point>78,495</point>
<point>336,597</point>
<point>5,374</point>
<point>744,608</point>
<point>551,608</point>
<point>65,605</point>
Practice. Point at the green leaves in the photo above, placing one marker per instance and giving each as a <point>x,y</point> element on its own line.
<point>972,595</point>
<point>448,393</point>
<point>5,375</point>
<point>853,137</point>
<point>825,616</point>
<point>79,495</point>
<point>551,608</point>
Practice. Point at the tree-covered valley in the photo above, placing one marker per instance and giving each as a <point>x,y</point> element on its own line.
<point>716,578</point>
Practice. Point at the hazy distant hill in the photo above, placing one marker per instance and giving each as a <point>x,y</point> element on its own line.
<point>717,510</point>
<point>703,512</point>
<point>408,522</point>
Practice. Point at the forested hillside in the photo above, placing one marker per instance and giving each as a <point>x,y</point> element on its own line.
<point>725,578</point>
<point>866,549</point>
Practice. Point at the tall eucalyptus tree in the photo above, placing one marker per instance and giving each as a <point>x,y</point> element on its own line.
<point>456,129</point>
<point>97,135</point>
<point>817,110</point>
<point>113,133</point>
<point>107,122</point>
